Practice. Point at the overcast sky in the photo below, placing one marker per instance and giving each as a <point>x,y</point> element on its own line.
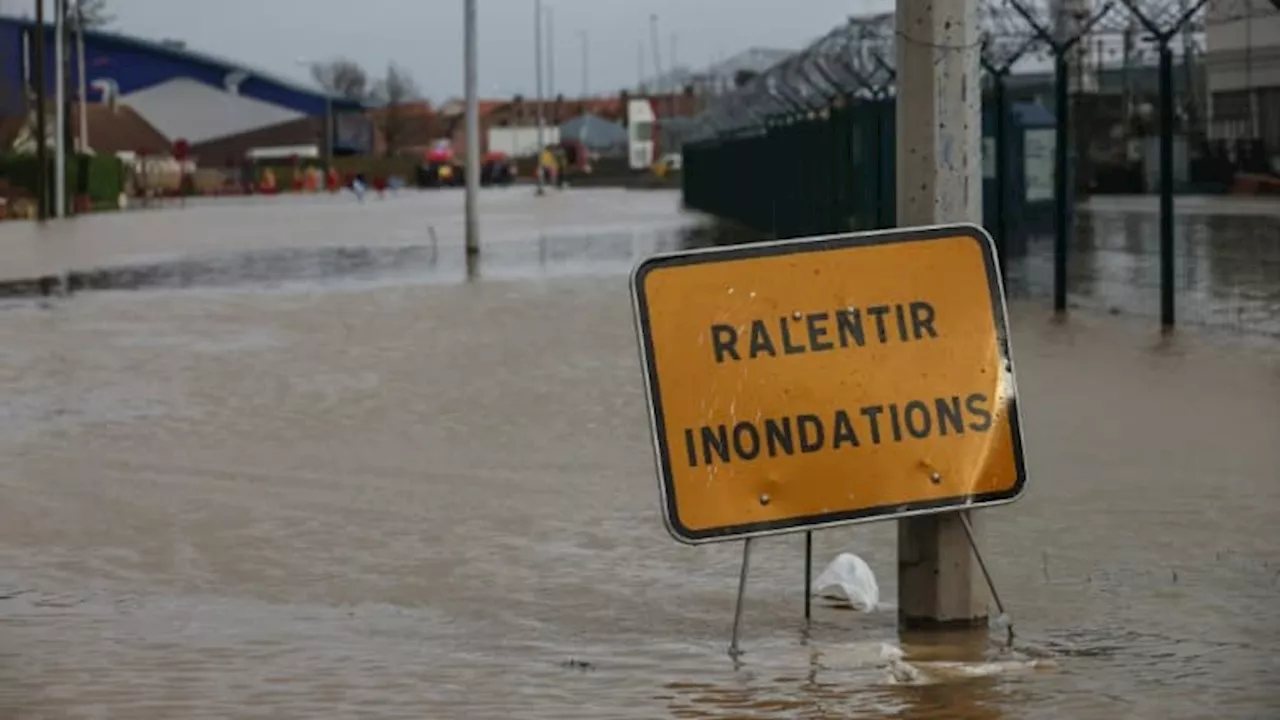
<point>425,36</point>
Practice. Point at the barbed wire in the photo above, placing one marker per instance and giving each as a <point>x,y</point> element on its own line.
<point>857,59</point>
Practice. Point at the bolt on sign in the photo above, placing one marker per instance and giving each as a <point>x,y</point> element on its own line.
<point>831,380</point>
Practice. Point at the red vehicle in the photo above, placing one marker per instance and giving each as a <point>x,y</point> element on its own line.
<point>440,167</point>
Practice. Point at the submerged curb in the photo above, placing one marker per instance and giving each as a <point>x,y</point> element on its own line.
<point>41,286</point>
<point>230,270</point>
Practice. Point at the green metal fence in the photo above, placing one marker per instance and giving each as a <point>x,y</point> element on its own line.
<point>799,176</point>
<point>807,147</point>
<point>834,171</point>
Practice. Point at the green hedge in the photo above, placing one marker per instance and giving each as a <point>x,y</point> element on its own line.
<point>104,180</point>
<point>19,171</point>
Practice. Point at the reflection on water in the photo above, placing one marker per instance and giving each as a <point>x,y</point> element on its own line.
<point>409,499</point>
<point>1226,268</point>
<point>542,256</point>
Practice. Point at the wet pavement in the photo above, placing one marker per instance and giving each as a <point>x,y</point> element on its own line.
<point>1227,250</point>
<point>393,492</point>
<point>217,231</point>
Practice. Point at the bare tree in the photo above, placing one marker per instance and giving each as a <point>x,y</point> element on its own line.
<point>93,14</point>
<point>393,92</point>
<point>342,77</point>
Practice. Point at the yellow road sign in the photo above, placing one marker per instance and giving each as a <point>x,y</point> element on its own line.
<point>824,381</point>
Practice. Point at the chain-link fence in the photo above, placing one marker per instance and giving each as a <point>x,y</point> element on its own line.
<point>1081,98</point>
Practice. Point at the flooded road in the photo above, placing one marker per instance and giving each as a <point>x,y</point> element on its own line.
<point>414,496</point>
<point>1226,261</point>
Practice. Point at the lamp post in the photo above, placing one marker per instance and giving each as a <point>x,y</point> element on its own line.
<point>60,111</point>
<point>586,50</point>
<point>537,51</point>
<point>551,52</point>
<point>41,131</point>
<point>83,80</point>
<point>472,171</point>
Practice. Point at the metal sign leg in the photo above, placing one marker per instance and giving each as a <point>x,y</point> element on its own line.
<point>808,575</point>
<point>734,650</point>
<point>968,531</point>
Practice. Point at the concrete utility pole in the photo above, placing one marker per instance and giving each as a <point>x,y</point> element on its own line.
<point>537,68</point>
<point>473,128</point>
<point>939,156</point>
<point>60,112</point>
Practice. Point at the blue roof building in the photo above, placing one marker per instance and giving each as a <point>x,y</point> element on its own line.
<point>184,94</point>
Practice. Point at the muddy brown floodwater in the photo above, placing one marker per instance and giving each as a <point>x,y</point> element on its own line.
<point>436,499</point>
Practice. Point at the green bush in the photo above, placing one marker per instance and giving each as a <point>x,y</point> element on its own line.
<point>104,174</point>
<point>106,178</point>
<point>19,171</point>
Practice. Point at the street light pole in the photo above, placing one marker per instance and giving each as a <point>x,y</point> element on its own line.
<point>472,172</point>
<point>41,130</point>
<point>537,64</point>
<point>551,53</point>
<point>60,111</point>
<point>82,91</point>
<point>586,81</point>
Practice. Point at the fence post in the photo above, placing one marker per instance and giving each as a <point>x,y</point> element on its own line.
<point>1061,179</point>
<point>1162,37</point>
<point>1166,185</point>
<point>885,119</point>
<point>1063,191</point>
<point>831,148</point>
<point>1001,161</point>
<point>1001,50</point>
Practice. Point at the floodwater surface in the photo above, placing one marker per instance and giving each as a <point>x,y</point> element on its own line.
<point>1226,262</point>
<point>404,499</point>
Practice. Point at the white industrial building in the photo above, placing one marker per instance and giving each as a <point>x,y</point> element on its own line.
<point>1242,69</point>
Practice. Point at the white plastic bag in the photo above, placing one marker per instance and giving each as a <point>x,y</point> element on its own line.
<point>848,579</point>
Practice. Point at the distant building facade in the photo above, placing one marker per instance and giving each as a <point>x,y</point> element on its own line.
<point>218,106</point>
<point>510,126</point>
<point>718,77</point>
<point>1242,65</point>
